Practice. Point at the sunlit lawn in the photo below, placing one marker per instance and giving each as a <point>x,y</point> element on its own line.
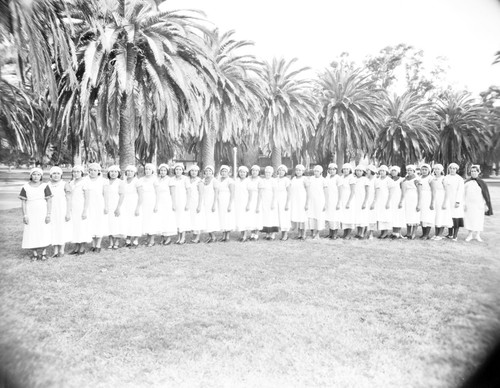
<point>264,314</point>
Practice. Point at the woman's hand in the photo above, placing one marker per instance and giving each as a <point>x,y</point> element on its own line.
<point>117,212</point>
<point>47,219</point>
<point>26,220</point>
<point>84,215</point>
<point>68,217</point>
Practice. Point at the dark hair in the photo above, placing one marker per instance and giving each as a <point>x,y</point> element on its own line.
<point>119,174</point>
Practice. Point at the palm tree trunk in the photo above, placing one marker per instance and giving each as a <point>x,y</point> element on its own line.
<point>208,149</point>
<point>126,141</point>
<point>276,157</point>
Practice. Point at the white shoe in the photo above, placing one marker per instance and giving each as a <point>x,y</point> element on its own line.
<point>468,238</point>
<point>478,238</point>
<point>438,238</point>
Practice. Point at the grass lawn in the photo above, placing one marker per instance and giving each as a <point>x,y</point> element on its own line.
<point>261,314</point>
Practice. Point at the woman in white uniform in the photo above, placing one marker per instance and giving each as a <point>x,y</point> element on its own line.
<point>359,201</point>
<point>441,205</point>
<point>98,206</point>
<point>241,205</point>
<point>181,197</point>
<point>332,213</point>
<point>254,214</point>
<point>210,202</point>
<point>454,185</point>
<point>36,201</point>
<point>371,176</point>
<point>149,217</point>
<point>398,212</point>
<point>299,201</point>
<point>318,198</point>
<point>476,201</point>
<point>283,201</point>
<point>195,207</point>
<point>383,203</point>
<point>346,192</point>
<point>409,199</point>
<point>114,221</point>
<point>226,203</point>
<point>79,211</point>
<point>167,225</point>
<point>425,201</point>
<point>266,203</point>
<point>129,207</point>
<point>60,222</point>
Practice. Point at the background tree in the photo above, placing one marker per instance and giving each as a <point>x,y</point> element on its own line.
<point>491,103</point>
<point>235,107</point>
<point>463,135</point>
<point>351,112</point>
<point>146,72</point>
<point>409,132</point>
<point>289,115</point>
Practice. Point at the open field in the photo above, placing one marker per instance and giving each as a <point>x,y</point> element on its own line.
<point>263,314</point>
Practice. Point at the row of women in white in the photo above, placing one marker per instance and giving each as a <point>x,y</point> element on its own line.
<point>367,198</point>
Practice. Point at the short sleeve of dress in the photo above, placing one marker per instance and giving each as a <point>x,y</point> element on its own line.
<point>216,183</point>
<point>121,188</point>
<point>138,183</point>
<point>47,192</point>
<point>390,183</point>
<point>325,182</point>
<point>261,184</point>
<point>171,183</point>
<point>23,194</point>
<point>67,188</point>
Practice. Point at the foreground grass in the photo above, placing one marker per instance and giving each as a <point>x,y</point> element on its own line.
<point>267,314</point>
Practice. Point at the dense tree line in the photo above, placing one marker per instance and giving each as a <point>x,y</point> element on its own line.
<point>129,80</point>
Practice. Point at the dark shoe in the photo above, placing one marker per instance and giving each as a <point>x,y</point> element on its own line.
<point>55,255</point>
<point>93,249</point>
<point>210,240</point>
<point>97,250</point>
<point>81,253</point>
<point>73,253</point>
<point>167,242</point>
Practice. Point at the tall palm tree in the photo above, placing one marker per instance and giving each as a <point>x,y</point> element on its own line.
<point>351,112</point>
<point>409,132</point>
<point>235,107</point>
<point>143,71</point>
<point>289,111</point>
<point>463,134</point>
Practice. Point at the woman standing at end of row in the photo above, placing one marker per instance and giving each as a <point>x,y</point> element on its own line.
<point>36,201</point>
<point>476,198</point>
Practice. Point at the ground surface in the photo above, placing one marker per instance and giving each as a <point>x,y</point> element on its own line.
<point>264,314</point>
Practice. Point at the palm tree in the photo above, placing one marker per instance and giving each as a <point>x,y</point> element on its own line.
<point>289,111</point>
<point>143,71</point>
<point>351,112</point>
<point>409,132</point>
<point>236,106</point>
<point>41,33</point>
<point>463,135</point>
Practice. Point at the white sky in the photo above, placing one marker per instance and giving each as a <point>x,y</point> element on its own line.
<point>467,32</point>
